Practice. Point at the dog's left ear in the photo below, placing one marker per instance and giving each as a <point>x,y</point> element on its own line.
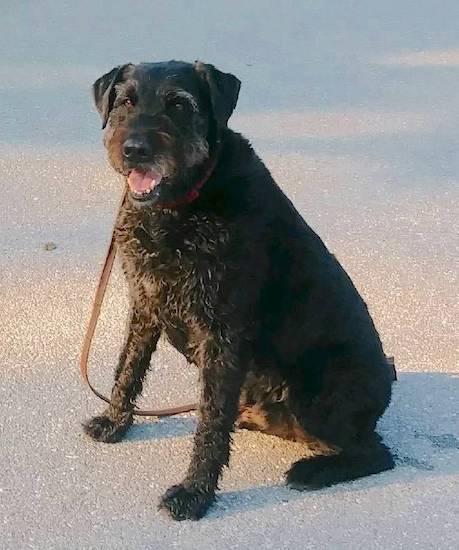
<point>103,91</point>
<point>223,88</point>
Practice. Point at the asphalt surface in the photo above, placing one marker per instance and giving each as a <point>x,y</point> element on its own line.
<point>354,106</point>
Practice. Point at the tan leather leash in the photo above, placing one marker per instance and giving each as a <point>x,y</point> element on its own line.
<point>98,300</point>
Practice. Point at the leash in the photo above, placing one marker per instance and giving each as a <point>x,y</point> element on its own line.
<point>191,196</point>
<point>97,305</point>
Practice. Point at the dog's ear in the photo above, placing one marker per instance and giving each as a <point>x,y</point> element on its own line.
<point>223,88</point>
<point>103,91</point>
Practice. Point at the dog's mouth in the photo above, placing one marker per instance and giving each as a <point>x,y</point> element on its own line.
<point>142,183</point>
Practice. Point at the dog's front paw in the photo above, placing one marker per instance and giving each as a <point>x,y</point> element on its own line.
<point>103,428</point>
<point>182,502</point>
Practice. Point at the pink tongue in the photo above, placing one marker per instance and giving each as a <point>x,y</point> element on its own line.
<point>142,182</point>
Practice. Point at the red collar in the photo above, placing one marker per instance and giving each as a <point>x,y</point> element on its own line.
<point>194,192</point>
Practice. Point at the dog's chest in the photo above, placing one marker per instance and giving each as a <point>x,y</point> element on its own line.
<point>177,263</point>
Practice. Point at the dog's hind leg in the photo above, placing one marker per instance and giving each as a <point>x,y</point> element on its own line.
<point>343,415</point>
<point>328,464</point>
<point>344,418</point>
<point>370,457</point>
<point>142,337</point>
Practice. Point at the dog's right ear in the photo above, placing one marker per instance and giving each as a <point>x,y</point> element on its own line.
<point>103,91</point>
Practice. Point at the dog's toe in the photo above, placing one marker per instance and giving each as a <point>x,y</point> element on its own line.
<point>102,428</point>
<point>185,502</point>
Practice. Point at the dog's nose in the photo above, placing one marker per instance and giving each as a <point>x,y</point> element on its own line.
<point>136,149</point>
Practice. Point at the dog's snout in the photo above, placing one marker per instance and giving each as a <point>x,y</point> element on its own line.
<point>136,148</point>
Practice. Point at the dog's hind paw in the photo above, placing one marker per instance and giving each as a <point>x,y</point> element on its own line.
<point>182,502</point>
<point>103,428</point>
<point>322,471</point>
<point>306,474</point>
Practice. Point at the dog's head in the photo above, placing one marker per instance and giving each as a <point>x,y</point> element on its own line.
<point>162,124</point>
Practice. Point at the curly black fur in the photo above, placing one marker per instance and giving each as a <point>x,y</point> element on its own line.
<point>239,284</point>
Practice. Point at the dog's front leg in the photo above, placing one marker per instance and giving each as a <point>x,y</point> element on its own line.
<point>142,336</point>
<point>221,378</point>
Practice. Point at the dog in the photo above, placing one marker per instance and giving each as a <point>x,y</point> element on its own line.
<point>219,261</point>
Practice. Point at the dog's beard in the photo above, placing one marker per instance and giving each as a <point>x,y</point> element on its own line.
<point>166,165</point>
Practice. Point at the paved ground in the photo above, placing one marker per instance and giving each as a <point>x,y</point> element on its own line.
<point>354,107</point>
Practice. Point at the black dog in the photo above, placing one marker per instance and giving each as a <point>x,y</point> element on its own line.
<point>218,259</point>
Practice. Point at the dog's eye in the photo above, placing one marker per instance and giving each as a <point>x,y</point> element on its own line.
<point>175,105</point>
<point>128,102</point>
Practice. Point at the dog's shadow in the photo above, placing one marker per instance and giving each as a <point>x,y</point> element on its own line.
<point>420,426</point>
<point>162,428</point>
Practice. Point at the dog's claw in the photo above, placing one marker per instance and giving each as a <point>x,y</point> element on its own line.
<point>102,428</point>
<point>185,502</point>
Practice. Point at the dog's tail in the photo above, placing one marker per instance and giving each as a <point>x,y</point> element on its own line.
<point>323,471</point>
